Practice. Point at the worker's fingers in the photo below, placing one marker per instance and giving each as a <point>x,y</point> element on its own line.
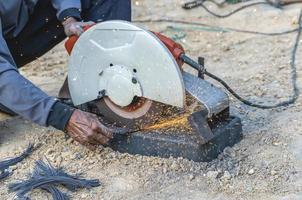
<point>76,29</point>
<point>96,138</point>
<point>102,129</point>
<point>81,25</point>
<point>84,24</point>
<point>89,23</point>
<point>101,139</point>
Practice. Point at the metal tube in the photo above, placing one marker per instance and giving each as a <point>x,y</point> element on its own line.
<point>192,63</point>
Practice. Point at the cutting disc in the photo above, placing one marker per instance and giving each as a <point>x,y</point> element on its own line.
<point>141,113</point>
<point>126,71</point>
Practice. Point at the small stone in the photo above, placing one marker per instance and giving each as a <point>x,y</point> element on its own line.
<point>212,174</point>
<point>251,171</point>
<point>70,141</point>
<point>276,143</point>
<point>49,152</point>
<point>191,177</point>
<point>175,166</point>
<point>273,172</point>
<point>59,160</point>
<point>295,20</point>
<point>92,161</point>
<point>216,59</point>
<point>226,176</point>
<point>77,156</point>
<point>226,48</point>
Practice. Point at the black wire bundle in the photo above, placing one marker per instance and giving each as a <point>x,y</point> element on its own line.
<point>4,165</point>
<point>46,177</point>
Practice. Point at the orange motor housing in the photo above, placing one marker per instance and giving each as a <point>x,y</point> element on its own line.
<point>175,48</point>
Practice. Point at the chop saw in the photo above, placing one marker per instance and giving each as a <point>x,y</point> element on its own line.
<point>133,78</point>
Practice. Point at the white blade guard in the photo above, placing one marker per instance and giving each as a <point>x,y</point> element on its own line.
<point>139,52</point>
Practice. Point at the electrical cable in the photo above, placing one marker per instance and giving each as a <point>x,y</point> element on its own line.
<point>295,88</point>
<point>177,21</point>
<point>201,4</point>
<point>193,4</point>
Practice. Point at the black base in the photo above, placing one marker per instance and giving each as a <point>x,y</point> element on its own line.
<point>184,145</point>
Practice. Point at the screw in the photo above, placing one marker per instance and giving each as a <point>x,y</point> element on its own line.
<point>100,74</point>
<point>134,81</point>
<point>101,94</point>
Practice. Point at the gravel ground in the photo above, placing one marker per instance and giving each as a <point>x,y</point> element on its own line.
<point>266,164</point>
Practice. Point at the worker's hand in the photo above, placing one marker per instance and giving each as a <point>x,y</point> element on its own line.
<point>73,27</point>
<point>86,129</point>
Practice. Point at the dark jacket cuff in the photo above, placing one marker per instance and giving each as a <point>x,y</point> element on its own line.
<point>59,116</point>
<point>70,12</point>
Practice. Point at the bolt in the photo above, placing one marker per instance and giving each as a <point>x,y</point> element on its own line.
<point>134,81</point>
<point>101,94</point>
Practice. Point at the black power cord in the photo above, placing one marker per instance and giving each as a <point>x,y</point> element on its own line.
<point>295,89</point>
<point>193,4</point>
<point>201,4</point>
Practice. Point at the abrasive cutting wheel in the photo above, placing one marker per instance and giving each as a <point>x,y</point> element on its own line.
<point>126,73</point>
<point>138,114</point>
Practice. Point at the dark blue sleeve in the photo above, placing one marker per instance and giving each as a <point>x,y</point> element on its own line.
<point>19,94</point>
<point>67,8</point>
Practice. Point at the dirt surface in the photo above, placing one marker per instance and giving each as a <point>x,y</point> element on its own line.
<point>266,164</point>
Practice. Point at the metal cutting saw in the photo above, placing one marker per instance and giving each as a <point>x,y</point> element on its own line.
<point>133,78</point>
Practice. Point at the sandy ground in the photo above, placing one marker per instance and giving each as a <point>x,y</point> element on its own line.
<point>266,164</point>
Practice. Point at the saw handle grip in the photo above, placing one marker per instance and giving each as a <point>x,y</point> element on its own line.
<point>175,48</point>
<point>69,44</point>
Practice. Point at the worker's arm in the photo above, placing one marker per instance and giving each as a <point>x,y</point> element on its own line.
<point>67,8</point>
<point>18,93</point>
<point>27,100</point>
<point>24,98</point>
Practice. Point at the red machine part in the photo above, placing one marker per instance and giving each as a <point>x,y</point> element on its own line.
<point>69,44</point>
<point>175,48</point>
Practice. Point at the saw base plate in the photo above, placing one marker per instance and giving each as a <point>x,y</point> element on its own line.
<point>226,133</point>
